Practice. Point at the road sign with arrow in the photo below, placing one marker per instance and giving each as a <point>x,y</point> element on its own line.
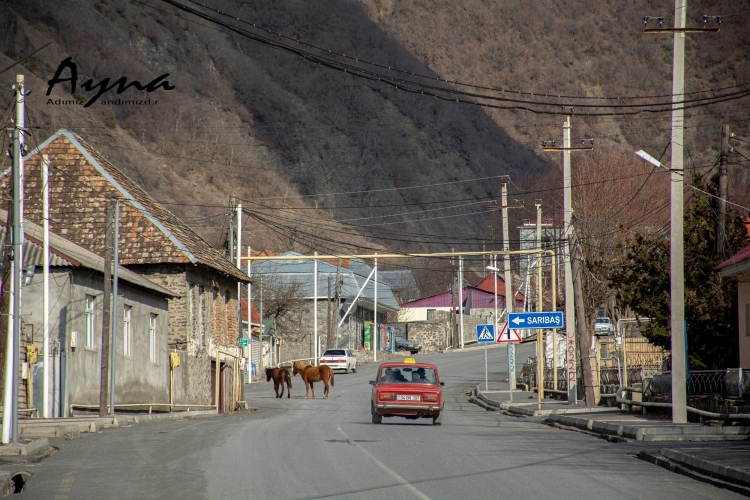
<point>527,320</point>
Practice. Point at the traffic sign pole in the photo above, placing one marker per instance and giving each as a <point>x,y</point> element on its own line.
<point>486,381</point>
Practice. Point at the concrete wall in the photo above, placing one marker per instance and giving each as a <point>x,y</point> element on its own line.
<point>192,380</point>
<point>433,335</point>
<point>138,380</point>
<point>743,303</point>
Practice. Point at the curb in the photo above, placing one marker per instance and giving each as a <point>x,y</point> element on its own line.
<point>666,432</point>
<point>679,469</point>
<point>709,468</point>
<point>24,449</point>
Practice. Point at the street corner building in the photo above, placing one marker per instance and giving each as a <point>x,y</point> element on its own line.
<point>203,314</point>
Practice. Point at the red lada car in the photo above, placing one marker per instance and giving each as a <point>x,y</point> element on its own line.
<point>407,389</point>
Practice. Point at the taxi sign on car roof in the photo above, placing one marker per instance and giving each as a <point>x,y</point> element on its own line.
<point>410,360</point>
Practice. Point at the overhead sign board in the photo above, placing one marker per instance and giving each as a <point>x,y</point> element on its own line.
<point>549,319</point>
<point>485,333</point>
<point>507,335</point>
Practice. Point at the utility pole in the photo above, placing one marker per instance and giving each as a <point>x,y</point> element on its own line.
<point>461,298</point>
<point>17,244</point>
<point>375,314</point>
<point>677,243</point>
<point>453,302</point>
<point>315,309</point>
<point>45,312</point>
<point>115,310</point>
<point>329,336</point>
<point>338,303</point>
<point>584,338</point>
<point>510,297</point>
<point>540,347</point>
<point>721,220</point>
<point>238,254</point>
<point>106,311</point>
<point>230,250</point>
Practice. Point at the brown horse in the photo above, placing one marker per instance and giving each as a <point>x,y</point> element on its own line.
<point>312,374</point>
<point>280,375</point>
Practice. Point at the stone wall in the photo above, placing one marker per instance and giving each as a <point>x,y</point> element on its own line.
<point>433,335</point>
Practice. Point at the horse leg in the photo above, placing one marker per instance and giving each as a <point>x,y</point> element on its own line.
<point>288,388</point>
<point>281,384</point>
<point>326,390</point>
<point>307,388</point>
<point>312,388</point>
<point>276,387</point>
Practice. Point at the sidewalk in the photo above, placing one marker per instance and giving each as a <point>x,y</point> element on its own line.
<point>727,468</point>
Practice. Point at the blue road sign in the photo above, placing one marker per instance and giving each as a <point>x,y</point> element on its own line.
<point>485,333</point>
<point>549,319</point>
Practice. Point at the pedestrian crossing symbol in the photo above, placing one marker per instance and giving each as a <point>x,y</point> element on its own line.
<point>485,333</point>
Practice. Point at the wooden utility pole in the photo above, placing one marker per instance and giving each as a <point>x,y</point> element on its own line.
<point>590,391</point>
<point>721,220</point>
<point>106,311</point>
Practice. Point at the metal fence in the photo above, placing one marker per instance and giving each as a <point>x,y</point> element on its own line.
<point>732,382</point>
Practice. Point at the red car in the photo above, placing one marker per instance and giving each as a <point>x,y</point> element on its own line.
<point>407,389</point>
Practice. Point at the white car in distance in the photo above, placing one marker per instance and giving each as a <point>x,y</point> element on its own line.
<point>339,359</point>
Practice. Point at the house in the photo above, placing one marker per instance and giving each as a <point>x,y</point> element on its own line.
<point>204,320</point>
<point>402,283</point>
<point>76,285</point>
<point>738,267</point>
<point>295,278</point>
<point>477,301</point>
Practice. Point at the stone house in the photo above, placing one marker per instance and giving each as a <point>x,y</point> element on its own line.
<point>204,321</point>
<point>76,286</point>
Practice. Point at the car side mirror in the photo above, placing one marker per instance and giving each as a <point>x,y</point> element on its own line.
<point>372,382</point>
<point>442,383</point>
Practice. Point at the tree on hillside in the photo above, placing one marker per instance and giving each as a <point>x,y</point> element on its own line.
<point>642,281</point>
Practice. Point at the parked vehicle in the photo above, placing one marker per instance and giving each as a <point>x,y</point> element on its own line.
<point>401,344</point>
<point>603,324</point>
<point>407,389</point>
<point>339,359</point>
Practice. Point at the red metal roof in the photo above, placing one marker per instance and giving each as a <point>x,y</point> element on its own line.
<point>256,315</point>
<point>488,285</point>
<point>742,254</point>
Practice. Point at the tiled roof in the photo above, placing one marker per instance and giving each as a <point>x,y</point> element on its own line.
<point>149,233</point>
<point>64,253</point>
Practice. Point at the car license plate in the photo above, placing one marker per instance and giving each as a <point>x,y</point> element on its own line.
<point>401,397</point>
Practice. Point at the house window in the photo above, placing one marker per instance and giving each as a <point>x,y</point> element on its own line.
<point>430,314</point>
<point>127,332</point>
<point>89,319</point>
<point>152,336</point>
<point>191,311</point>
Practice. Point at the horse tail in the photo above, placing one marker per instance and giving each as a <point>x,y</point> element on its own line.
<point>331,371</point>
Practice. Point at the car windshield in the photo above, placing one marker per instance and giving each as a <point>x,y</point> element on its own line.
<point>335,352</point>
<point>408,375</point>
<point>602,320</point>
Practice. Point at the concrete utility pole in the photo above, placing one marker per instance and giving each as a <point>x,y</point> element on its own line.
<point>540,350</point>
<point>677,257</point>
<point>721,220</point>
<point>250,315</point>
<point>510,297</point>
<point>238,253</point>
<point>315,309</point>
<point>570,318</point>
<point>338,304</point>
<point>115,309</point>
<point>45,312</point>
<point>375,315</point>
<point>461,299</point>
<point>453,303</point>
<point>106,311</point>
<point>588,367</point>
<point>17,243</point>
<point>329,336</point>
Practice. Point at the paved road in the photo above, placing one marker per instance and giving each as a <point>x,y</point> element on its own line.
<point>297,448</point>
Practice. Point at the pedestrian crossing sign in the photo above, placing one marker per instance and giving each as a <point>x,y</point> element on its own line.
<point>485,333</point>
<point>508,335</point>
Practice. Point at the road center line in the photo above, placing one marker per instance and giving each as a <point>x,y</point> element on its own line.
<point>380,464</point>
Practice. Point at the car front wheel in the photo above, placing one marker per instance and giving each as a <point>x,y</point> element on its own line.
<point>400,349</point>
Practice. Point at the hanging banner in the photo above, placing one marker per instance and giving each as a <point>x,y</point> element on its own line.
<point>368,335</point>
